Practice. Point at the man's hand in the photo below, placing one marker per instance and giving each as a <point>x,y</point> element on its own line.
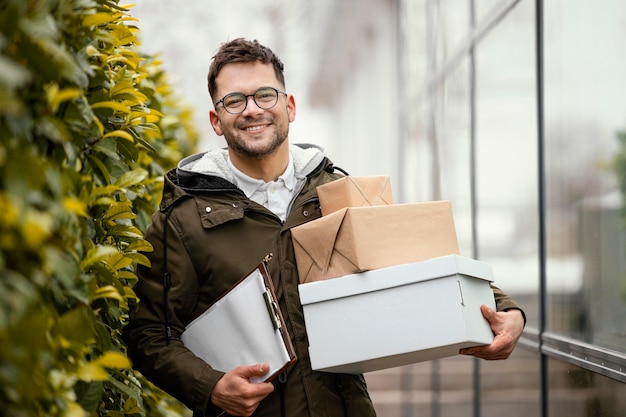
<point>236,395</point>
<point>507,326</point>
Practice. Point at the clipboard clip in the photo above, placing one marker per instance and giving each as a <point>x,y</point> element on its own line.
<point>272,308</point>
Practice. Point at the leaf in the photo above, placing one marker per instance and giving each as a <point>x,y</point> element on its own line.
<point>121,210</point>
<point>76,326</point>
<point>57,96</point>
<point>76,206</point>
<point>113,105</point>
<point>140,245</point>
<point>92,371</point>
<point>98,19</point>
<point>99,165</point>
<point>106,190</point>
<point>89,394</point>
<point>130,178</point>
<point>119,261</point>
<point>37,228</point>
<point>74,410</point>
<point>97,254</point>
<point>139,258</point>
<point>124,389</point>
<point>121,230</point>
<point>123,88</point>
<point>108,291</point>
<point>120,134</point>
<point>115,360</point>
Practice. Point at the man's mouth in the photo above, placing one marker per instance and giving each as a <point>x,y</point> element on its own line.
<point>255,128</point>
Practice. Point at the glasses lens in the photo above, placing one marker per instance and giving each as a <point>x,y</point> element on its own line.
<point>266,98</point>
<point>235,102</point>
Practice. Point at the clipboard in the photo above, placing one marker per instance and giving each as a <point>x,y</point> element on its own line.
<point>244,326</point>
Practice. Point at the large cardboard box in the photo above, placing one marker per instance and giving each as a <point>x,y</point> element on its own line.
<point>358,239</point>
<point>397,316</point>
<point>350,191</point>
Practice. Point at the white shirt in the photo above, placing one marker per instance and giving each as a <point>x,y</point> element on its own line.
<point>274,195</point>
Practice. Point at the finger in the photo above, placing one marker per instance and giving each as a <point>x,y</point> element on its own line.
<point>498,349</point>
<point>252,370</point>
<point>488,313</point>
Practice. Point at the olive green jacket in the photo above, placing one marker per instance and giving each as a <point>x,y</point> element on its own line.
<point>214,236</point>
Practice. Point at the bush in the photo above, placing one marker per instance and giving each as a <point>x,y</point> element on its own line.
<point>88,126</point>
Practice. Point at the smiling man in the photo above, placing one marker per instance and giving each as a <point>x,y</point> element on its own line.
<point>221,213</point>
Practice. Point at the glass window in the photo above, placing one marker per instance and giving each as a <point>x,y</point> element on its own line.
<point>452,134</point>
<point>487,8</point>
<point>576,392</point>
<point>506,149</point>
<point>585,109</point>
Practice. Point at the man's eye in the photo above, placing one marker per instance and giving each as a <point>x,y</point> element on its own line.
<point>234,101</point>
<point>265,96</point>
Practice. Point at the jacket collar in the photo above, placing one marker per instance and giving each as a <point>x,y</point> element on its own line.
<point>209,171</point>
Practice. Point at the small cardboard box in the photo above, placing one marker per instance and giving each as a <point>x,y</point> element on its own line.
<point>358,239</point>
<point>397,316</point>
<point>354,192</point>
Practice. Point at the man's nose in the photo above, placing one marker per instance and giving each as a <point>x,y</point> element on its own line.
<point>251,106</point>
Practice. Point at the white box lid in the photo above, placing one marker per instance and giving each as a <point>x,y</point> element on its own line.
<point>404,274</point>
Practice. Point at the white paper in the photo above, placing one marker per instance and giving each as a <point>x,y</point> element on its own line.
<point>238,330</point>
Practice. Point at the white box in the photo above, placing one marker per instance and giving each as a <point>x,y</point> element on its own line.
<point>399,315</point>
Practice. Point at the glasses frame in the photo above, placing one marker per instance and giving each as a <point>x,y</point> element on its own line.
<point>253,95</point>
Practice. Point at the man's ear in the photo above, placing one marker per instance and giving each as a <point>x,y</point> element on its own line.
<point>215,123</point>
<point>291,108</point>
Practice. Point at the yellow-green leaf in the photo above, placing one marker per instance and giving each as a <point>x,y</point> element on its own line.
<point>36,228</point>
<point>57,96</point>
<point>117,262</point>
<point>133,177</point>
<point>92,371</point>
<point>76,206</point>
<point>121,210</point>
<point>113,105</point>
<point>140,245</point>
<point>140,258</point>
<point>97,254</point>
<point>99,125</point>
<point>98,19</point>
<point>120,134</point>
<point>108,291</point>
<point>73,410</point>
<point>115,360</point>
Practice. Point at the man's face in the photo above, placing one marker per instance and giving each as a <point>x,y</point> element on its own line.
<point>255,133</point>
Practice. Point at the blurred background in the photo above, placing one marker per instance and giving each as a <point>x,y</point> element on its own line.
<point>513,110</point>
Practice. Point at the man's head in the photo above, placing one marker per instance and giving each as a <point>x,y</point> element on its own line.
<point>242,51</point>
<point>251,110</point>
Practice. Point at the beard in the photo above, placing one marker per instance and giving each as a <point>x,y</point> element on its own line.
<point>257,149</point>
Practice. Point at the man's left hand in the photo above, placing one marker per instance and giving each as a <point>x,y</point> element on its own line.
<point>507,327</point>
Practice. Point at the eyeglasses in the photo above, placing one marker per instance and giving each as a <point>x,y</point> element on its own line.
<point>265,98</point>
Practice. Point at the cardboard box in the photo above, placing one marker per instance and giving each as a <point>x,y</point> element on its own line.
<point>354,192</point>
<point>358,239</point>
<point>397,316</point>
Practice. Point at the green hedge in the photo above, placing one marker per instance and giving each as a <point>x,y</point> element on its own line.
<point>88,125</point>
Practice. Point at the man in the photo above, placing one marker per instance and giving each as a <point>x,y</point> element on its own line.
<point>222,212</point>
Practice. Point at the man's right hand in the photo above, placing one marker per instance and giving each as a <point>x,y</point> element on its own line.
<point>236,395</point>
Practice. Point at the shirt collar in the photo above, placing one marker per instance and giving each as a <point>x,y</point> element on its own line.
<point>250,185</point>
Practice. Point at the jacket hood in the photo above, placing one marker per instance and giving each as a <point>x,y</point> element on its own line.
<point>306,157</point>
<point>209,171</point>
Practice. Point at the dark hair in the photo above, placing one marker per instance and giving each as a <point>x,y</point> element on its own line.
<point>241,50</point>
